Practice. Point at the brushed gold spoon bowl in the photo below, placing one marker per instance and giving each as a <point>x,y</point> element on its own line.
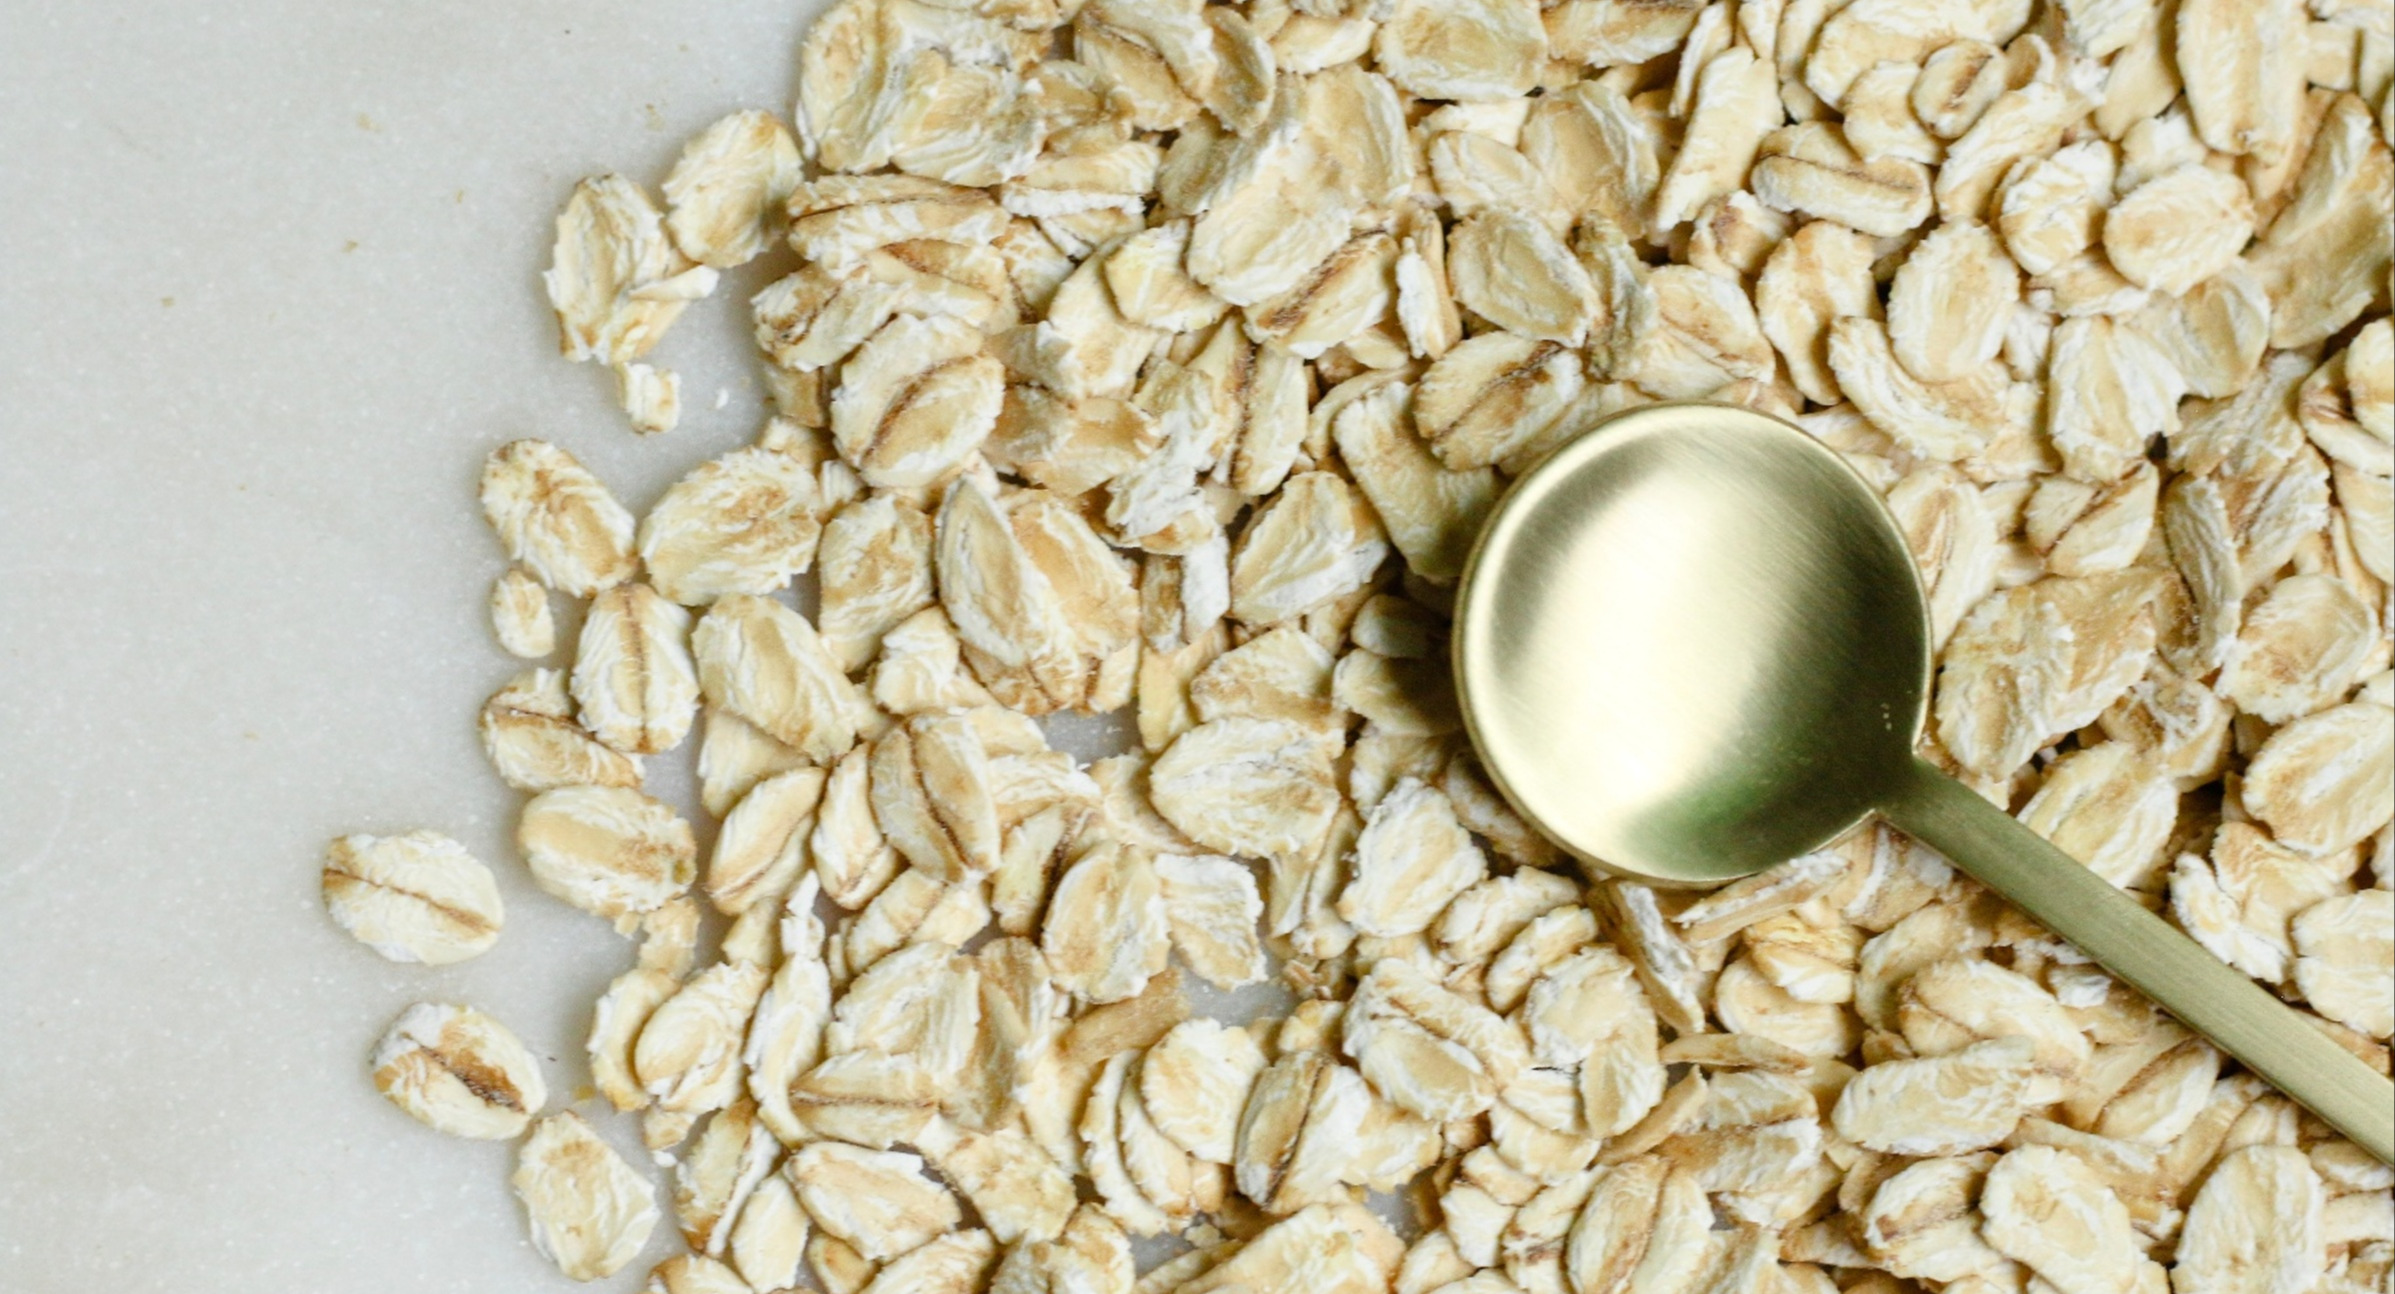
<point>1692,644</point>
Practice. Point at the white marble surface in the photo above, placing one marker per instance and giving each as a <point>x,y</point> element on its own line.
<point>271,296</point>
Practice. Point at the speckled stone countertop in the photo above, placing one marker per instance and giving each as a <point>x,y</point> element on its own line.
<point>272,295</point>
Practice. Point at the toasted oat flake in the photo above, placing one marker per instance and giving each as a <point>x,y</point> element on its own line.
<point>1176,1184</point>
<point>1114,1137</point>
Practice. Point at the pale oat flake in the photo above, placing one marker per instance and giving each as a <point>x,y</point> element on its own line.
<point>417,897</point>
<point>730,177</point>
<point>688,1055</point>
<point>1211,906</point>
<point>1412,857</point>
<point>882,1202</point>
<point>632,680</point>
<point>1257,788</point>
<point>2345,951</point>
<point>1106,931</point>
<point>529,733</point>
<point>694,1274</point>
<point>743,523</point>
<point>590,1212</point>
<point>1965,1101</point>
<point>615,278</point>
<point>2050,1213</point>
<point>2316,782</point>
<point>612,852</point>
<point>520,615</point>
<point>556,519</point>
<point>1194,1081</point>
<point>1316,542</point>
<point>651,397</point>
<point>763,662</point>
<point>2254,1225</point>
<point>459,1071</point>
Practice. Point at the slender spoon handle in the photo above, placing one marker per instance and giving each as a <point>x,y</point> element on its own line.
<point>2145,952</point>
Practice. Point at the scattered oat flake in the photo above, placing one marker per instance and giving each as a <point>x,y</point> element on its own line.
<point>730,178</point>
<point>632,680</point>
<point>417,897</point>
<point>612,852</point>
<point>743,523</point>
<point>555,518</point>
<point>591,1213</point>
<point>520,615</point>
<point>459,1071</point>
<point>1146,369</point>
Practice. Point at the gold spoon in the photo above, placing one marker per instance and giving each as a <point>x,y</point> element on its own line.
<point>1692,644</point>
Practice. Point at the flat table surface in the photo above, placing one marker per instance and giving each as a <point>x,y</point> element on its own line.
<point>272,294</point>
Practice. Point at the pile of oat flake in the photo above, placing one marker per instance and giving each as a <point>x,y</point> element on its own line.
<point>1163,357</point>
